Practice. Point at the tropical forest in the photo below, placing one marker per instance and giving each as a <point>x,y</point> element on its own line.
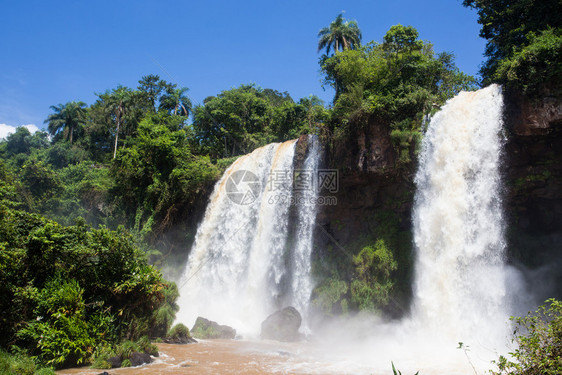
<point>410,224</point>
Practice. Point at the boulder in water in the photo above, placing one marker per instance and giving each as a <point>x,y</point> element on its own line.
<point>179,334</point>
<point>207,329</point>
<point>115,361</point>
<point>282,325</point>
<point>138,358</point>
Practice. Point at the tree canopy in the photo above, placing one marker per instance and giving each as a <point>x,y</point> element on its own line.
<point>340,34</point>
<point>399,82</point>
<point>524,43</point>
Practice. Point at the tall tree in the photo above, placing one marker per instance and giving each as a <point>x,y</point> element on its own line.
<point>151,86</point>
<point>175,101</point>
<point>121,107</point>
<point>66,119</point>
<point>341,34</point>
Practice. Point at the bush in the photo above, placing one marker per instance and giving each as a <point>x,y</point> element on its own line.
<point>65,291</point>
<point>373,285</point>
<point>178,331</point>
<point>20,364</point>
<point>126,348</point>
<point>539,339</point>
<point>147,347</point>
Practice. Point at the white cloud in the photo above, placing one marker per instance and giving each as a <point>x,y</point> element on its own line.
<point>9,129</point>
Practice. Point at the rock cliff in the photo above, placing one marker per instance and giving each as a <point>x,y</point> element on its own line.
<point>375,199</point>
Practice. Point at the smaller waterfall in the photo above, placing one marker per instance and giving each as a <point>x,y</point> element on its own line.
<point>242,266</point>
<point>307,208</point>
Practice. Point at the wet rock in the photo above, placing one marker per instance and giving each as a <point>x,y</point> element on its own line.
<point>138,358</point>
<point>207,329</point>
<point>115,361</point>
<point>179,334</point>
<point>179,340</point>
<point>282,325</point>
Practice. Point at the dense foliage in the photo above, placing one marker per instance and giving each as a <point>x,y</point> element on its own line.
<point>398,82</point>
<point>524,43</point>
<point>67,289</point>
<point>237,121</point>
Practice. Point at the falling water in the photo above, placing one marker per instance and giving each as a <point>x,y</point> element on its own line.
<point>237,271</point>
<point>307,208</point>
<point>460,280</point>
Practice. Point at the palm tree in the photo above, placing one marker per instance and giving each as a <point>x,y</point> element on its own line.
<point>118,101</point>
<point>175,101</point>
<point>340,34</point>
<point>67,118</point>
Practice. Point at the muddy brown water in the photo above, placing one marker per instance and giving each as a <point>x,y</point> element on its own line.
<point>262,357</point>
<point>211,357</point>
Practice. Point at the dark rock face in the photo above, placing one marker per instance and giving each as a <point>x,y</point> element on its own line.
<point>368,149</point>
<point>533,184</point>
<point>528,117</point>
<point>283,325</point>
<point>138,358</point>
<point>373,196</point>
<point>207,329</point>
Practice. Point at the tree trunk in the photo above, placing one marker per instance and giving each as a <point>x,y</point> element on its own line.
<point>116,138</point>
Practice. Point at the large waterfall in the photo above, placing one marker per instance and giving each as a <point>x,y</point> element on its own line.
<point>242,266</point>
<point>460,280</point>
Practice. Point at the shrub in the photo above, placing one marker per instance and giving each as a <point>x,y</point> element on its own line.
<point>539,339</point>
<point>20,364</point>
<point>147,347</point>
<point>178,331</point>
<point>126,348</point>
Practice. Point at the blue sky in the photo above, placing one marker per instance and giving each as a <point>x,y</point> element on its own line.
<point>58,51</point>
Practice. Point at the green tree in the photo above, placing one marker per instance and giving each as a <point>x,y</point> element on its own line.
<point>67,119</point>
<point>122,107</point>
<point>340,34</point>
<point>22,141</point>
<point>234,122</point>
<point>157,177</point>
<point>151,87</point>
<point>175,101</point>
<point>510,26</point>
<point>398,82</point>
<point>371,289</point>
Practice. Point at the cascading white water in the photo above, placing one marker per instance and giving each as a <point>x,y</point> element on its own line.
<point>237,269</point>
<point>460,287</point>
<point>238,245</point>
<point>461,282</point>
<point>307,208</point>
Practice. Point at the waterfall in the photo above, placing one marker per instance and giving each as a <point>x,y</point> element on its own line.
<point>242,267</point>
<point>460,276</point>
<point>307,208</point>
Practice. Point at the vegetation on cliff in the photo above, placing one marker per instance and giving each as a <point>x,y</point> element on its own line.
<point>398,82</point>
<point>524,44</point>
